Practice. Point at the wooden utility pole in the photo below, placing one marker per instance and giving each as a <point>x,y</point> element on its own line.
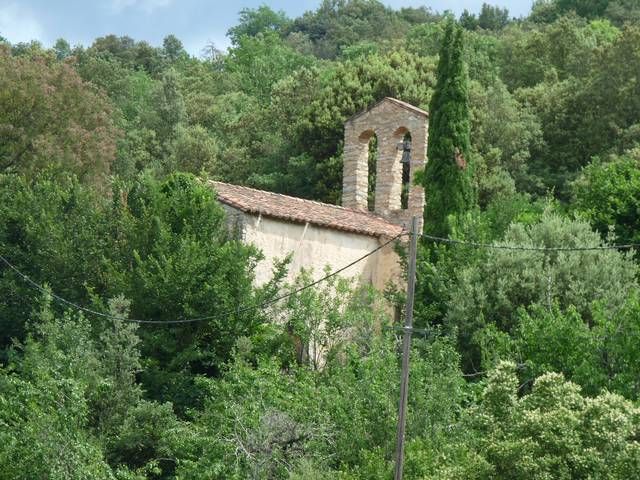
<point>406,349</point>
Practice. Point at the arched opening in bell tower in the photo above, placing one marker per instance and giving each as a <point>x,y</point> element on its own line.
<point>372,165</point>
<point>402,137</point>
<point>405,160</point>
<point>369,141</point>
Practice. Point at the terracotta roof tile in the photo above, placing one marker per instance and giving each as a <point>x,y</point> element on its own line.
<point>299,210</point>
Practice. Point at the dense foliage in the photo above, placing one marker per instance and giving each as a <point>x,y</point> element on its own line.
<point>448,172</point>
<point>50,117</point>
<point>526,362</point>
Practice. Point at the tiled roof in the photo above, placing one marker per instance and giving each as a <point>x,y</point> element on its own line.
<point>298,210</point>
<point>395,101</point>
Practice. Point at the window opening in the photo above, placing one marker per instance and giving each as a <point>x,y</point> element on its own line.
<point>372,163</point>
<point>406,171</point>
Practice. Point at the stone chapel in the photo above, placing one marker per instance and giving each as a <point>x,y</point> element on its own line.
<point>320,235</point>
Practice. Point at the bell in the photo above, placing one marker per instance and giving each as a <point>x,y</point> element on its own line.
<point>405,146</point>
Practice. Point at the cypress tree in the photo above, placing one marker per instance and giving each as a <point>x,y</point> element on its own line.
<point>448,177</point>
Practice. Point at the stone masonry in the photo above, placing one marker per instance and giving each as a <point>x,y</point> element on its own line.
<point>389,120</point>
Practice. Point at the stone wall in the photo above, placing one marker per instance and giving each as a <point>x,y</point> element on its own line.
<point>389,120</point>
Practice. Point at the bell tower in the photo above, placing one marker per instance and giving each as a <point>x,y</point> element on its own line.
<point>401,133</point>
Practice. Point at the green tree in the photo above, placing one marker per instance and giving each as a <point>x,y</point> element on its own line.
<point>51,229</point>
<point>554,431</point>
<point>581,110</point>
<point>418,15</point>
<point>447,177</point>
<point>544,11</point>
<point>168,109</point>
<point>50,117</point>
<point>77,402</point>
<point>340,23</point>
<point>468,20</point>
<point>172,48</point>
<point>490,18</point>
<point>237,124</point>
<point>493,17</point>
<point>598,355</point>
<point>612,119</point>
<point>322,321</point>
<point>505,134</point>
<point>43,430</point>
<point>489,290</point>
<point>623,11</point>
<point>173,259</point>
<point>132,54</point>
<point>62,49</point>
<point>31,49</point>
<point>262,422</point>
<point>135,94</point>
<point>257,63</point>
<point>608,195</point>
<point>195,150</point>
<point>164,245</point>
<point>569,47</point>
<point>45,392</point>
<point>585,8</point>
<point>258,20</point>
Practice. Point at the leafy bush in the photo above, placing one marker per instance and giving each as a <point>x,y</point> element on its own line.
<point>554,432</point>
<point>491,289</point>
<point>607,194</point>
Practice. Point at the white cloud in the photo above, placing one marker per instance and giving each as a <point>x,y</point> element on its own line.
<point>18,24</point>
<point>147,6</point>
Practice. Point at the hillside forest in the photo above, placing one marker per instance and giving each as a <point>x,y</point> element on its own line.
<point>526,361</point>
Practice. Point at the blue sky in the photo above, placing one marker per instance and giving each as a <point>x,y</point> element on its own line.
<point>195,22</point>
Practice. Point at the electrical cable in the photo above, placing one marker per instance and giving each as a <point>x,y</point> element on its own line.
<point>433,238</point>
<point>524,248</point>
<point>71,304</point>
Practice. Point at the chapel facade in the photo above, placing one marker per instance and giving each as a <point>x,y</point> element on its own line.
<point>321,236</point>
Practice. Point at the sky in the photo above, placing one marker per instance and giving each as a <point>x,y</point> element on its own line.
<point>195,22</point>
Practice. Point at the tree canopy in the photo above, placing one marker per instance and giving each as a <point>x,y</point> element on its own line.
<point>447,178</point>
<point>525,358</point>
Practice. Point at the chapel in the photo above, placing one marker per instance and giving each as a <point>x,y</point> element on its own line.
<point>378,201</point>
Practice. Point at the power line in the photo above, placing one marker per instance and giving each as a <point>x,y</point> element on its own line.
<point>494,246</point>
<point>71,304</point>
<point>433,238</point>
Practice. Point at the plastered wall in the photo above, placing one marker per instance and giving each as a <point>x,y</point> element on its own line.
<point>315,247</point>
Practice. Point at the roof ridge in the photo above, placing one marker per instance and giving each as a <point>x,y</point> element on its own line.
<point>408,105</point>
<point>399,103</point>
